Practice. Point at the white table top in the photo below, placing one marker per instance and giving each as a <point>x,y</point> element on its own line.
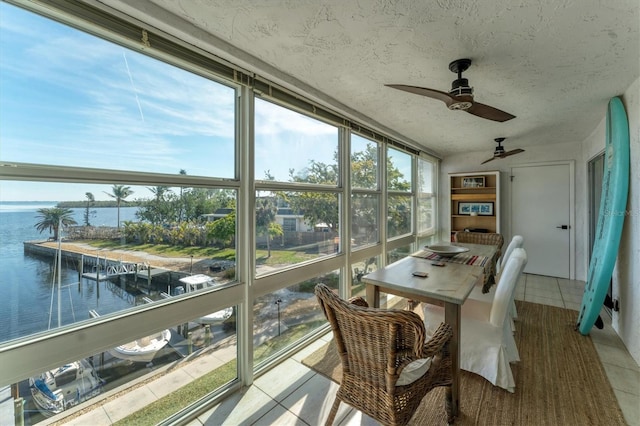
<point>450,283</point>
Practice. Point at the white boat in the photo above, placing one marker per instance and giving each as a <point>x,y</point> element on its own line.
<point>57,390</point>
<point>143,349</point>
<point>198,282</point>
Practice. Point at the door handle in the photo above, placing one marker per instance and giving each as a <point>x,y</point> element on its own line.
<point>563,227</point>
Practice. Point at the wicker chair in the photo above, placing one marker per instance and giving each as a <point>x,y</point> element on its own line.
<point>385,361</point>
<point>486,238</point>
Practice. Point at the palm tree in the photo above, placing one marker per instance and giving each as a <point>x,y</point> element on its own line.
<point>119,192</point>
<point>159,191</point>
<point>51,219</point>
<point>87,210</point>
<point>183,172</point>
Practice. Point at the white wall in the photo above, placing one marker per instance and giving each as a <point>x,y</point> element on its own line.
<point>543,153</point>
<point>626,275</point>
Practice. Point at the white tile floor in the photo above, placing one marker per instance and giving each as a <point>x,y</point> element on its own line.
<point>293,394</point>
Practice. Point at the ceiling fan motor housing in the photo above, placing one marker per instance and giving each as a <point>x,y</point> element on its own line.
<point>460,88</point>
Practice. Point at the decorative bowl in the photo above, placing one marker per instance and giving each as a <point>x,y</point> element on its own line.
<point>446,250</point>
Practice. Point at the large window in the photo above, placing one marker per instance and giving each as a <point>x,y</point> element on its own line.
<point>154,225</point>
<point>278,248</point>
<point>290,147</point>
<point>105,248</point>
<point>426,189</point>
<point>297,165</point>
<point>73,99</point>
<point>365,198</point>
<point>400,196</point>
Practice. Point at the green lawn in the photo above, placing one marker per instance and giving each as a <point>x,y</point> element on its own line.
<point>157,411</point>
<point>181,398</point>
<point>278,257</point>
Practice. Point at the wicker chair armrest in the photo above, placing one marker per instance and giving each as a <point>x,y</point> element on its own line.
<point>437,343</point>
<point>359,301</point>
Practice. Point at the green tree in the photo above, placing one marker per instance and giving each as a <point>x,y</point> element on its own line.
<point>223,229</point>
<point>266,211</point>
<point>182,172</point>
<point>51,218</point>
<point>160,209</point>
<point>88,213</point>
<point>319,207</point>
<point>119,193</point>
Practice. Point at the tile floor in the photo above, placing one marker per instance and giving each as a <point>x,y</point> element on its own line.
<point>293,394</point>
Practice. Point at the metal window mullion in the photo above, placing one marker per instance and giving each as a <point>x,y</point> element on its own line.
<point>293,186</point>
<point>344,205</point>
<point>383,188</point>
<point>245,225</point>
<point>69,174</point>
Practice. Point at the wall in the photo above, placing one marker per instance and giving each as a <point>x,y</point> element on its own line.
<point>626,275</point>
<point>470,161</point>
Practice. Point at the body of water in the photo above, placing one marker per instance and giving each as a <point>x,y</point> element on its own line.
<point>28,303</point>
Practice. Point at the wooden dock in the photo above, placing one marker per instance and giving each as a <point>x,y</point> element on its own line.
<point>152,273</point>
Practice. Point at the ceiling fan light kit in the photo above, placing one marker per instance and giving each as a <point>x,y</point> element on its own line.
<point>460,97</point>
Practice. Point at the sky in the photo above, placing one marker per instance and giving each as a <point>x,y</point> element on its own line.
<point>69,98</point>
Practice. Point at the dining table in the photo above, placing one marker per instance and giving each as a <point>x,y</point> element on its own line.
<point>439,280</point>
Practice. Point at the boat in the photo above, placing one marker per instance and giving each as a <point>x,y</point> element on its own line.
<point>198,282</point>
<point>143,349</point>
<point>140,350</point>
<point>62,388</point>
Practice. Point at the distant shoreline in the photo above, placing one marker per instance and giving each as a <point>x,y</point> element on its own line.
<point>96,204</point>
<point>70,204</point>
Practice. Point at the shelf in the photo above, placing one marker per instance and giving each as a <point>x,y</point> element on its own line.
<point>474,189</point>
<point>473,197</point>
<point>467,215</point>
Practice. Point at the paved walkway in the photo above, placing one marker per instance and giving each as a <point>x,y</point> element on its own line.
<point>117,404</point>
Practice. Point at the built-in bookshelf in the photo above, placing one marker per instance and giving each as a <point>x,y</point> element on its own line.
<point>475,202</point>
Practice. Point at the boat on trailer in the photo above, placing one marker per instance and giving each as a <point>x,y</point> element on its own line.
<point>62,388</point>
<point>143,349</point>
<point>198,282</point>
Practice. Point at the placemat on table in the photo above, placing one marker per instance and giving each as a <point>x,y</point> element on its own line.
<point>463,258</point>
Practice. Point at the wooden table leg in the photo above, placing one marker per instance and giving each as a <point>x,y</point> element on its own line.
<point>452,317</point>
<point>372,294</point>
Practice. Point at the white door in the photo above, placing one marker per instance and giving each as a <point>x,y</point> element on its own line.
<point>542,211</point>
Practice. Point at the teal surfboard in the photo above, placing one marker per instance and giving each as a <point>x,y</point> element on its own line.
<point>613,203</point>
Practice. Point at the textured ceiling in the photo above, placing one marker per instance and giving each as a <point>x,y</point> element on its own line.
<point>552,63</point>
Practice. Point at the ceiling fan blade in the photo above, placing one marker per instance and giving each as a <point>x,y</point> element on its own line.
<point>489,112</point>
<point>423,91</point>
<point>512,152</point>
<point>490,159</point>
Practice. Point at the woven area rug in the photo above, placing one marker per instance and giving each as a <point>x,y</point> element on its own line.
<point>559,380</point>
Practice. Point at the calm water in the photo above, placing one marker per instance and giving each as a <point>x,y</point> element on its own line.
<point>26,280</point>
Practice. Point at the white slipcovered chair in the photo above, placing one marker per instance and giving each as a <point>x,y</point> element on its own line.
<point>516,242</point>
<point>487,345</point>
